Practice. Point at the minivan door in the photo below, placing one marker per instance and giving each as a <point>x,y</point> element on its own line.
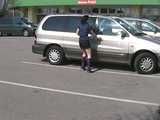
<point>6,25</point>
<point>70,36</point>
<point>18,26</point>
<point>71,39</point>
<point>113,46</point>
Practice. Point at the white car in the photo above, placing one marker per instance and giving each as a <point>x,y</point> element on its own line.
<point>145,25</point>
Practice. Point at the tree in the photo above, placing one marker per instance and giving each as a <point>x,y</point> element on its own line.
<point>3,6</point>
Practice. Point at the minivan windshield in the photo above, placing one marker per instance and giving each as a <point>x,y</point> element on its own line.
<point>155,24</point>
<point>133,30</point>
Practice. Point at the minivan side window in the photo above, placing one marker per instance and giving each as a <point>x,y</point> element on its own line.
<point>92,21</point>
<point>4,21</point>
<point>74,21</point>
<point>108,27</point>
<point>57,23</point>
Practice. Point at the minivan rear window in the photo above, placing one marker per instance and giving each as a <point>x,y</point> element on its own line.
<point>55,24</point>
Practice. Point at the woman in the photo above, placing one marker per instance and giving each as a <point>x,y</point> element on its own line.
<point>83,30</point>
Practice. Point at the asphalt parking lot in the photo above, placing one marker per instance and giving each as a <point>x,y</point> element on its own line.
<point>32,89</point>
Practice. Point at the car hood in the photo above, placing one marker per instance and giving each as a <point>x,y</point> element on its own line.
<point>152,39</point>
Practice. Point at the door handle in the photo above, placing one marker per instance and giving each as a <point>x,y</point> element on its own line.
<point>99,40</point>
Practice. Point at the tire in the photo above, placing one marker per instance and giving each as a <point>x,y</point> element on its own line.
<point>25,33</point>
<point>145,63</point>
<point>2,34</point>
<point>55,55</point>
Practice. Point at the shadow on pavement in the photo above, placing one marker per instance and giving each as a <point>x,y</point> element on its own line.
<point>96,66</point>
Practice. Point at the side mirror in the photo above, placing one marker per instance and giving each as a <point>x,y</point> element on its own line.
<point>123,34</point>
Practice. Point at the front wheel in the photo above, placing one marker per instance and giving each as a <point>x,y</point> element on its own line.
<point>145,63</point>
<point>55,55</point>
<point>2,34</point>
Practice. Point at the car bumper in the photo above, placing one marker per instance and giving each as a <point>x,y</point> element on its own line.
<point>38,49</point>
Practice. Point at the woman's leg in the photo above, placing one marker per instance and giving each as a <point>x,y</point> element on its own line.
<point>84,54</point>
<point>88,52</point>
<point>83,59</point>
<point>89,57</point>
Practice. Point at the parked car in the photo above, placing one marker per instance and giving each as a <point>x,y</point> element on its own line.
<point>147,26</point>
<point>154,18</point>
<point>121,43</point>
<point>16,26</point>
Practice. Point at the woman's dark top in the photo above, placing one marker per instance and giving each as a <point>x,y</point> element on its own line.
<point>84,30</point>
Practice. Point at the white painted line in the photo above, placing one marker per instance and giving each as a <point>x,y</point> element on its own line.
<point>48,65</point>
<point>80,94</point>
<point>101,71</point>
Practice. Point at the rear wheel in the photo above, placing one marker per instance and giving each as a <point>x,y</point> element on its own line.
<point>55,55</point>
<point>145,63</point>
<point>3,34</point>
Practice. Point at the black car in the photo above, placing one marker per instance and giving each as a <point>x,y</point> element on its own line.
<point>16,26</point>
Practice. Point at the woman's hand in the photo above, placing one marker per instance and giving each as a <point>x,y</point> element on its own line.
<point>77,31</point>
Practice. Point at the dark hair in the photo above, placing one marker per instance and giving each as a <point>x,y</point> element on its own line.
<point>84,19</point>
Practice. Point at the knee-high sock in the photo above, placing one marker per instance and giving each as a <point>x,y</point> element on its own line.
<point>83,62</point>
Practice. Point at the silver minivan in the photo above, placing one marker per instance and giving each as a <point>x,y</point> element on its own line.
<point>120,43</point>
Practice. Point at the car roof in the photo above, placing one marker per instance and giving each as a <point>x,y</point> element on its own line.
<point>10,17</point>
<point>90,15</point>
<point>132,18</point>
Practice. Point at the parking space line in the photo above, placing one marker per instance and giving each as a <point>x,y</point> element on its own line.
<point>80,94</point>
<point>100,71</point>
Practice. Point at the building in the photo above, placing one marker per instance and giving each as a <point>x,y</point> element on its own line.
<point>35,10</point>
